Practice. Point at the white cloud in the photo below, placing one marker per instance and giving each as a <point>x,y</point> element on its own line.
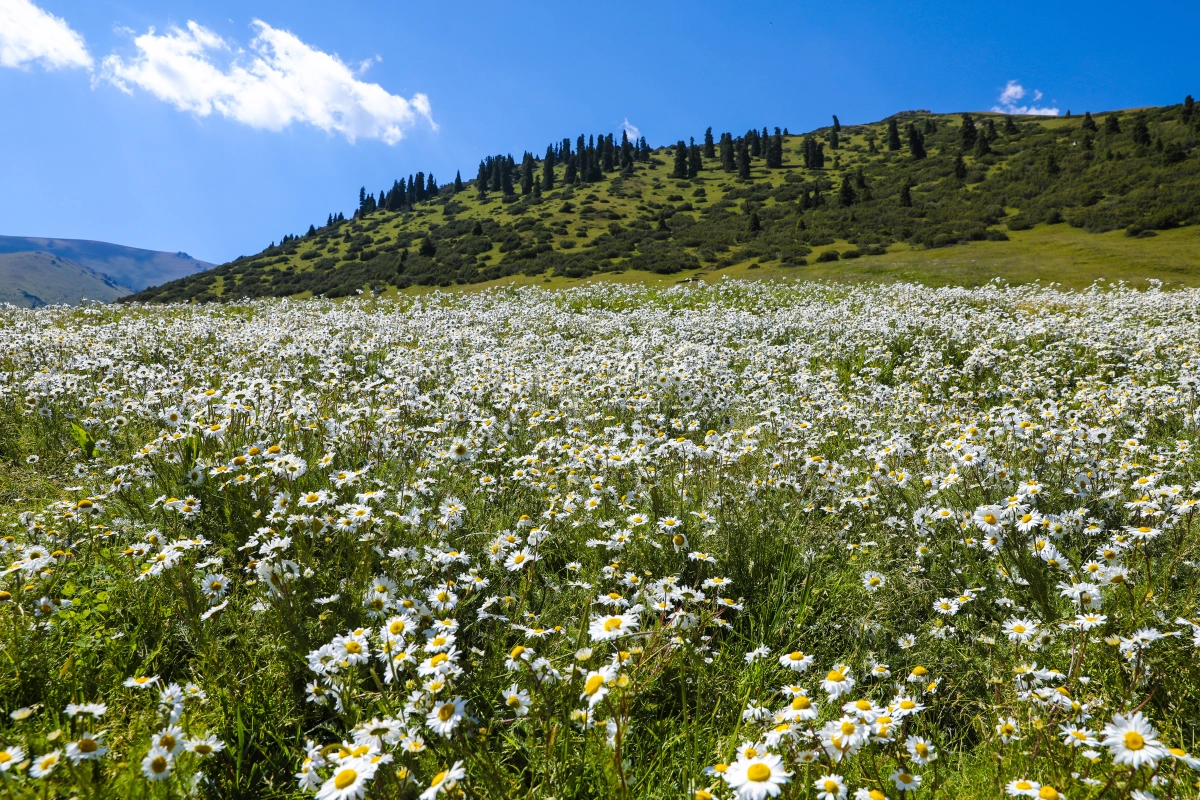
<point>1012,94</point>
<point>28,34</point>
<point>631,130</point>
<point>278,81</point>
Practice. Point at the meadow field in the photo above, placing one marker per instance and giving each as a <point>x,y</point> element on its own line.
<point>728,539</point>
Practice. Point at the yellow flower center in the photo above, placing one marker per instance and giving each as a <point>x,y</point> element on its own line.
<point>1048,793</point>
<point>438,660</point>
<point>353,647</point>
<point>801,704</point>
<point>345,778</point>
<point>990,519</point>
<point>396,628</point>
<point>593,684</point>
<point>88,746</point>
<point>437,779</point>
<point>159,765</point>
<point>516,652</point>
<point>835,676</point>
<point>758,773</point>
<point>612,624</point>
<point>167,742</point>
<point>1134,740</point>
<point>203,749</point>
<point>848,728</point>
<point>446,712</point>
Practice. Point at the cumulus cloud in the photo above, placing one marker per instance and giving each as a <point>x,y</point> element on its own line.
<point>29,34</point>
<point>278,80</point>
<point>631,130</point>
<point>1011,96</point>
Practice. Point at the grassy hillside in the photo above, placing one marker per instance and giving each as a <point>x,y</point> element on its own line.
<point>32,280</point>
<point>938,198</point>
<point>127,266</point>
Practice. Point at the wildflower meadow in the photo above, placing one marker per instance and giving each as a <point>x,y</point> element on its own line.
<point>744,540</point>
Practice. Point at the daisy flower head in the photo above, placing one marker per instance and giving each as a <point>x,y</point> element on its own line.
<point>445,717</point>
<point>45,764</point>
<point>796,661</point>
<point>349,780</point>
<point>11,756</point>
<point>1132,740</point>
<point>516,700</point>
<point>86,748</point>
<point>595,685</point>
<point>838,681</point>
<point>157,764</point>
<point>757,777</point>
<point>445,780</point>
<point>830,787</point>
<point>873,581</point>
<point>611,626</point>
<point>905,781</point>
<point>141,682</point>
<point>1022,787</point>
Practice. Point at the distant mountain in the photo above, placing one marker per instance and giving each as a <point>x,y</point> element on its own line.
<point>31,280</point>
<point>913,181</point>
<point>126,266</point>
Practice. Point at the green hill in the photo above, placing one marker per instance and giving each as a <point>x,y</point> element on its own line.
<point>935,197</point>
<point>32,280</point>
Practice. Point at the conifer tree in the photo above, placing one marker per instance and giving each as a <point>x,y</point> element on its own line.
<point>1188,111</point>
<point>847,196</point>
<point>916,142</point>
<point>1052,167</point>
<point>311,230</point>
<point>967,133</point>
<point>982,148</point>
<point>548,170</point>
<point>775,151</point>
<point>1112,124</point>
<point>458,184</point>
<point>754,224</point>
<point>833,140</point>
<point>431,188</point>
<point>527,168</point>
<point>329,222</point>
<point>709,151</point>
<point>893,135</point>
<point>728,160</point>
<point>571,172</point>
<point>481,181</point>
<point>626,151</point>
<point>1010,127</point>
<point>681,161</point>
<point>1088,123</point>
<point>906,195</point>
<point>694,160</point>
<point>990,133</point>
<point>362,197</point>
<point>930,127</point>
<point>645,148</point>
<point>743,159</point>
<point>960,166</point>
<point>837,126</point>
<point>607,157</point>
<point>753,145</point>
<point>506,184</point>
<point>1141,131</point>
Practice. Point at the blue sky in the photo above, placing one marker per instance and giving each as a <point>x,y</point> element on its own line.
<point>124,124</point>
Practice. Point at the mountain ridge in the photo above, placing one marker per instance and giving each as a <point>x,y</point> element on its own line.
<point>132,267</point>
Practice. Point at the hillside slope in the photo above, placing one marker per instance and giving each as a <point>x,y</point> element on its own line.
<point>917,182</point>
<point>32,280</point>
<point>127,266</point>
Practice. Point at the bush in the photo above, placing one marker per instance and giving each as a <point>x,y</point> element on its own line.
<point>826,256</point>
